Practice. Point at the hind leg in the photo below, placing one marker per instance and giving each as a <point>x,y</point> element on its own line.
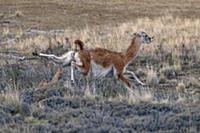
<point>136,78</point>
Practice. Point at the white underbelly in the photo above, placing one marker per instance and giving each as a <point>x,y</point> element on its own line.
<point>99,71</point>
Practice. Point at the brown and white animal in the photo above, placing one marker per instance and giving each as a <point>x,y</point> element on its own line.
<point>102,62</point>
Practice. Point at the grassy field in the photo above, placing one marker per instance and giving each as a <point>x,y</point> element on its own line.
<point>169,66</point>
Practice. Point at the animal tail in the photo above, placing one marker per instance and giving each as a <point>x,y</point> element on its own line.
<point>35,53</point>
<point>78,45</point>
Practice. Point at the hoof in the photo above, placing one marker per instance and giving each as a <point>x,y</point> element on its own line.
<point>35,53</point>
<point>72,82</point>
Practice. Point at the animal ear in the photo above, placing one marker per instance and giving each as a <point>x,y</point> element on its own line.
<point>137,34</point>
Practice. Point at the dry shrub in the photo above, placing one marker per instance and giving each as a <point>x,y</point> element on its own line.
<point>11,97</point>
<point>180,87</point>
<point>152,77</point>
<point>6,31</point>
<point>170,72</point>
<point>18,13</point>
<point>176,42</point>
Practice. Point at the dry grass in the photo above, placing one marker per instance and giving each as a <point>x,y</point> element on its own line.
<point>176,43</point>
<point>174,56</point>
<point>11,97</point>
<point>180,87</point>
<point>55,14</point>
<point>170,35</point>
<point>152,77</point>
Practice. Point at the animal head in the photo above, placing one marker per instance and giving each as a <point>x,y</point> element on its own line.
<point>144,38</point>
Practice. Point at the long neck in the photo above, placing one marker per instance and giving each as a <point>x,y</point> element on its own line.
<point>133,49</point>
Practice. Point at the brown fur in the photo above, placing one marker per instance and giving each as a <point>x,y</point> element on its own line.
<point>56,77</point>
<point>105,58</point>
<point>85,59</point>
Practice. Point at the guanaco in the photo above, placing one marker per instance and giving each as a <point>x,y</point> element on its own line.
<point>102,62</point>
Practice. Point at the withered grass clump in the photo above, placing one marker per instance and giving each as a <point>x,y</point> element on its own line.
<point>175,48</point>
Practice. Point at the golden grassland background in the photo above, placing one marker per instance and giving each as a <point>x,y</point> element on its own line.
<point>40,25</point>
<point>175,49</point>
<point>170,65</point>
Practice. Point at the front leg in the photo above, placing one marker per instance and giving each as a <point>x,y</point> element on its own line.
<point>73,65</point>
<point>131,91</point>
<point>136,78</point>
<point>72,72</point>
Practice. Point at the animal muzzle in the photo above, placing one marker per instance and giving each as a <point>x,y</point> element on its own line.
<point>151,39</point>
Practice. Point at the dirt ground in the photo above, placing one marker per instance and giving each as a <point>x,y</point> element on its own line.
<point>59,14</point>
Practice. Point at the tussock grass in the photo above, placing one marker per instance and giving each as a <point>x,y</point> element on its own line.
<point>172,79</point>
<point>176,44</point>
<point>11,97</point>
<point>152,77</point>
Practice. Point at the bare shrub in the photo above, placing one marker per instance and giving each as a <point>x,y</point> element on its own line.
<point>152,77</point>
<point>11,97</point>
